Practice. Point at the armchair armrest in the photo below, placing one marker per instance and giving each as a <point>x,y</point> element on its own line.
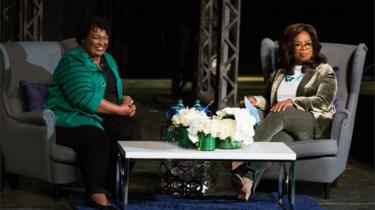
<point>38,117</point>
<point>340,121</point>
<point>310,149</point>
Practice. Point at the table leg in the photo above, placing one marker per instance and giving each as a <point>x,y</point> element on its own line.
<point>292,176</point>
<point>289,178</point>
<point>126,183</point>
<point>123,179</point>
<point>280,187</point>
<point>119,181</point>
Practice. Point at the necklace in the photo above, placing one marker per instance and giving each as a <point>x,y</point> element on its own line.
<point>288,78</point>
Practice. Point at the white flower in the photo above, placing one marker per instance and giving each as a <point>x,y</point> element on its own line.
<point>223,128</point>
<point>195,121</point>
<point>241,130</point>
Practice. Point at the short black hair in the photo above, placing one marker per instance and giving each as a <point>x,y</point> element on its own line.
<point>89,23</point>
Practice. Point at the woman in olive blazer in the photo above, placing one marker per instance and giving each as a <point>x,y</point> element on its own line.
<point>298,98</point>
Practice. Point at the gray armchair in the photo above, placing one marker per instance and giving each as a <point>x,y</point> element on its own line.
<point>323,161</point>
<point>28,138</point>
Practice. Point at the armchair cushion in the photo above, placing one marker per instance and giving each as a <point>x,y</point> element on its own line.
<point>44,117</point>
<point>34,95</point>
<point>314,148</point>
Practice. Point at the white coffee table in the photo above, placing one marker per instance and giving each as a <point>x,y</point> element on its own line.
<point>257,151</point>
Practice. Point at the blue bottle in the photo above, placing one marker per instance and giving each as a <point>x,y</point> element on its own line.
<point>197,105</point>
<point>168,132</point>
<point>179,105</point>
<point>175,109</point>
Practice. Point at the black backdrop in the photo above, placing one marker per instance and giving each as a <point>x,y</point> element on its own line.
<point>158,39</point>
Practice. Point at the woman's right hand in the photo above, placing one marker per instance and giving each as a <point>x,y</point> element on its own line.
<point>123,109</point>
<point>252,100</point>
<point>127,109</point>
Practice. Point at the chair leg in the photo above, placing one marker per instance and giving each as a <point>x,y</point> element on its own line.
<point>327,187</point>
<point>56,192</point>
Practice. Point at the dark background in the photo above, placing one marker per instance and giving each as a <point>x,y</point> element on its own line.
<point>159,38</point>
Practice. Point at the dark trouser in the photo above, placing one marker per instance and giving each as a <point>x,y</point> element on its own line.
<point>96,149</point>
<point>285,126</point>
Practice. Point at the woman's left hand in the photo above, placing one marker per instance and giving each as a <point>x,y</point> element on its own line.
<point>127,100</point>
<point>281,106</point>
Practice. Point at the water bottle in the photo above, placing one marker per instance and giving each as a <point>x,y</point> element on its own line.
<point>175,109</point>
<point>179,105</point>
<point>197,105</point>
<point>168,131</point>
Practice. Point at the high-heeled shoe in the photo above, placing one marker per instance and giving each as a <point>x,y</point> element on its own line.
<point>92,203</point>
<point>242,184</point>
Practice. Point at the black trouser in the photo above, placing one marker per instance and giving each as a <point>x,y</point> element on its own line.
<point>96,149</point>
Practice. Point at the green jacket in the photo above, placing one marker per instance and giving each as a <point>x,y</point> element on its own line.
<point>77,87</point>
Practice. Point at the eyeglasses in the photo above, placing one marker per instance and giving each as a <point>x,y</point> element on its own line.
<point>300,46</point>
<point>105,38</point>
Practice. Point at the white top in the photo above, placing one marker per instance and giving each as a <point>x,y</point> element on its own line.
<point>289,84</point>
<point>170,150</point>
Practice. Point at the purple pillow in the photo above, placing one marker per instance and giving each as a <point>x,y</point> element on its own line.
<point>336,102</point>
<point>34,95</point>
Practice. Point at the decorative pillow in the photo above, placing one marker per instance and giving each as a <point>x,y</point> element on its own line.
<point>34,95</point>
<point>336,102</point>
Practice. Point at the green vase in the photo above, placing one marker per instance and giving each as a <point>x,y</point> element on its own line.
<point>183,138</point>
<point>227,143</point>
<point>206,142</point>
<point>170,134</point>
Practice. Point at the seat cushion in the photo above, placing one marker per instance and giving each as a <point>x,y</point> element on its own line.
<point>314,148</point>
<point>34,95</point>
<point>63,154</point>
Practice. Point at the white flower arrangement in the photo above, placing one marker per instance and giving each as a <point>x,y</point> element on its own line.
<point>241,128</point>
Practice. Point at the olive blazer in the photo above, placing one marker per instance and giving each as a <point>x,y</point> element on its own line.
<point>315,94</point>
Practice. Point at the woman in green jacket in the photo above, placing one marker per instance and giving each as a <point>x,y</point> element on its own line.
<point>298,99</point>
<point>86,95</point>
